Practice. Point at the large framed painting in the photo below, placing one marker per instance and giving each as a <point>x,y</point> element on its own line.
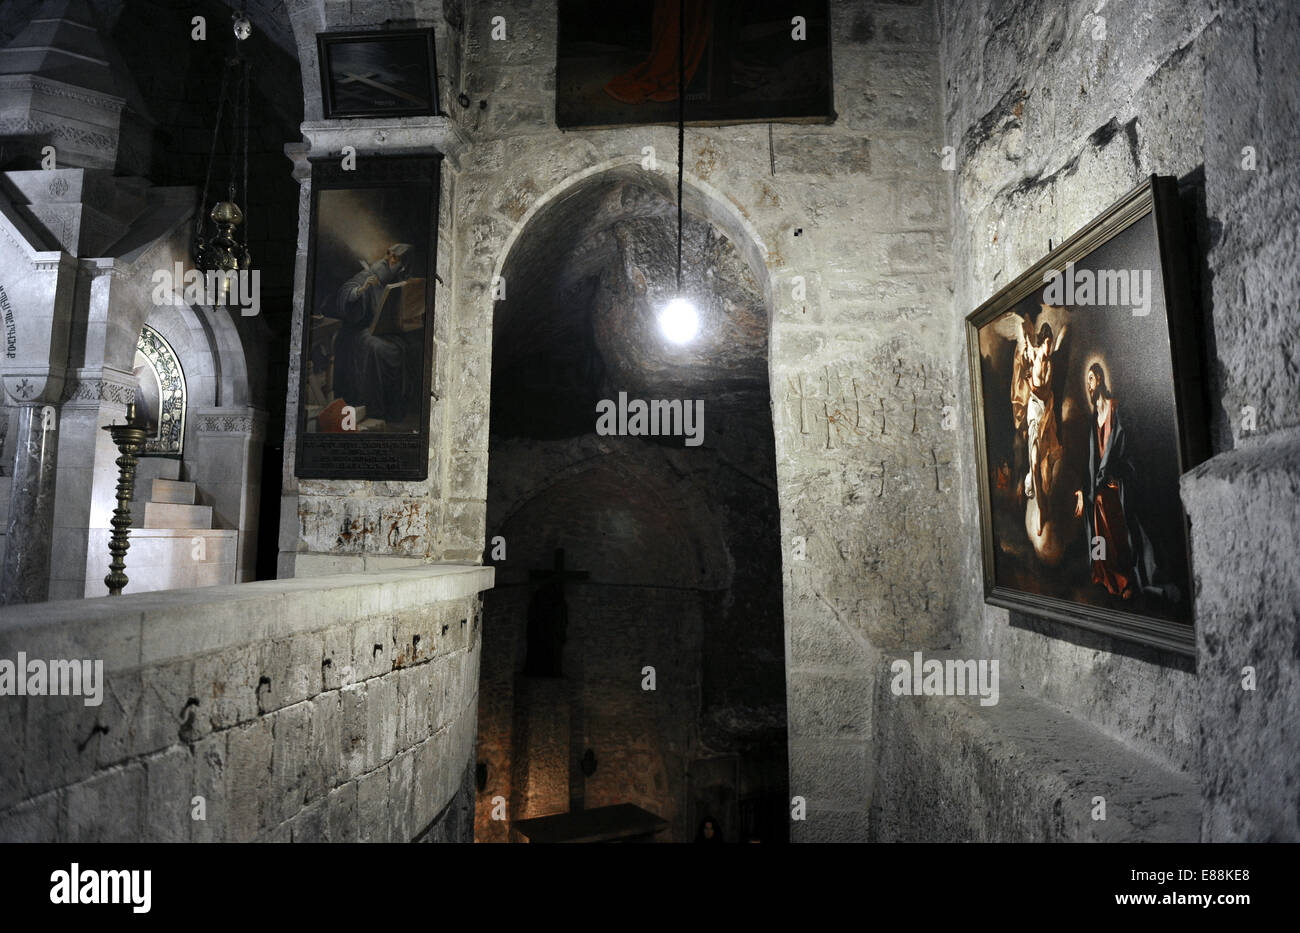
<point>1088,406</point>
<point>367,346</point>
<point>745,60</point>
<point>389,73</point>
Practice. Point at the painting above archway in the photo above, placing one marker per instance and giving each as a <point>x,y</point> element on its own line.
<point>159,394</point>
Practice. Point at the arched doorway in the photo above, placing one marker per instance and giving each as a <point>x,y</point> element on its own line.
<point>666,687</point>
<point>196,498</point>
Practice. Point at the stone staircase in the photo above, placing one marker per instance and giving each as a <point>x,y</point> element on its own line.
<point>178,548</point>
<point>171,505</point>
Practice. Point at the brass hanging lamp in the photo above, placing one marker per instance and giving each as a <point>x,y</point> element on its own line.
<point>225,248</point>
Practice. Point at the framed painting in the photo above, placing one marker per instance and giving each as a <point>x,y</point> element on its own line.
<point>1088,407</point>
<point>391,73</point>
<point>367,343</point>
<point>746,61</point>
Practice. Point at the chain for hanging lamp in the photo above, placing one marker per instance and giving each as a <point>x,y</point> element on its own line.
<point>225,248</point>
<point>679,321</point>
<point>681,128</point>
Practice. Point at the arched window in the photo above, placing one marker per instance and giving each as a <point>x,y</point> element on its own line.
<point>159,394</point>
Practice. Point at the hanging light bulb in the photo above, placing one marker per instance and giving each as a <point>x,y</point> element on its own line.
<point>679,321</point>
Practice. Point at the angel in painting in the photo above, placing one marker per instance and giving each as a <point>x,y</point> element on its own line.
<point>1038,410</point>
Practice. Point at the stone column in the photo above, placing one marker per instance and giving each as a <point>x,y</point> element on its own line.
<point>25,577</point>
<point>88,475</point>
<point>1244,506</point>
<point>227,466</point>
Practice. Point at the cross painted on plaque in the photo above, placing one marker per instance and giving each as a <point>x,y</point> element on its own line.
<point>548,618</point>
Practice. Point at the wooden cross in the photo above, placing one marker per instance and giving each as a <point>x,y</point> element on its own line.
<point>548,619</point>
<point>557,573</point>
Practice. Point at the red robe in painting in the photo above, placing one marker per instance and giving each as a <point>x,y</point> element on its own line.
<point>1126,567</point>
<point>656,78</point>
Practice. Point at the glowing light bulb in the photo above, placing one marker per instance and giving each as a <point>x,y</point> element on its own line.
<point>679,321</point>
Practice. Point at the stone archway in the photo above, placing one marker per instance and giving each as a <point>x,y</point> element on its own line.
<point>674,537</point>
<point>221,449</point>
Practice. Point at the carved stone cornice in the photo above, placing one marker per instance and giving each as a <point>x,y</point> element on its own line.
<point>248,422</point>
<point>88,390</point>
<point>25,126</point>
<point>385,136</point>
<point>109,102</point>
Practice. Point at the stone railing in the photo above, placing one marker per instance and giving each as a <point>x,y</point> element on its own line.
<point>338,707</point>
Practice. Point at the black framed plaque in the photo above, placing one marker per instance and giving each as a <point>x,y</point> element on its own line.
<point>1088,399</point>
<point>385,73</point>
<point>367,339</point>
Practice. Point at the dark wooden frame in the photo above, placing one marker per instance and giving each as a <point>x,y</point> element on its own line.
<point>326,41</point>
<point>1157,198</point>
<point>327,455</point>
<point>754,114</point>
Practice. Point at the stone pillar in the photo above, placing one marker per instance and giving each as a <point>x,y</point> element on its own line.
<point>1244,507</point>
<point>25,577</point>
<point>227,466</point>
<point>87,481</point>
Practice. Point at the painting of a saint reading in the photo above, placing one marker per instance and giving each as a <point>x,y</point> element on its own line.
<point>1085,422</point>
<point>368,335</point>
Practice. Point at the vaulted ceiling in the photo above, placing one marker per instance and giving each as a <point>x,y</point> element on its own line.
<point>585,284</point>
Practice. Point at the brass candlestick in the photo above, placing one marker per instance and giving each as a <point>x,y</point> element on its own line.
<point>129,438</point>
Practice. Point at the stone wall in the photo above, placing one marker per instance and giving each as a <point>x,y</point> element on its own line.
<point>862,363</point>
<point>1049,125</point>
<point>860,366</point>
<point>1055,111</point>
<point>441,517</point>
<point>335,708</point>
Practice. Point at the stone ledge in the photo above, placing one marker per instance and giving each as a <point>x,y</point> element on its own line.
<point>312,564</point>
<point>1020,771</point>
<point>385,136</point>
<point>150,628</point>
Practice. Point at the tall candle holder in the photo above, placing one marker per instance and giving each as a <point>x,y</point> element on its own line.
<point>129,438</point>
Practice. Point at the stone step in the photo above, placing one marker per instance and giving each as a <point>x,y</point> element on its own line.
<point>173,491</point>
<point>171,515</point>
<point>172,558</point>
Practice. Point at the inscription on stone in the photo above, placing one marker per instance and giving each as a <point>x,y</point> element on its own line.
<point>11,330</point>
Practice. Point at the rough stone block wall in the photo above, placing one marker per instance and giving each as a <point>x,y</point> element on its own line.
<point>1245,509</point>
<point>861,367</point>
<point>1242,503</point>
<point>341,708</point>
<point>441,517</point>
<point>1050,127</point>
<point>1054,111</point>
